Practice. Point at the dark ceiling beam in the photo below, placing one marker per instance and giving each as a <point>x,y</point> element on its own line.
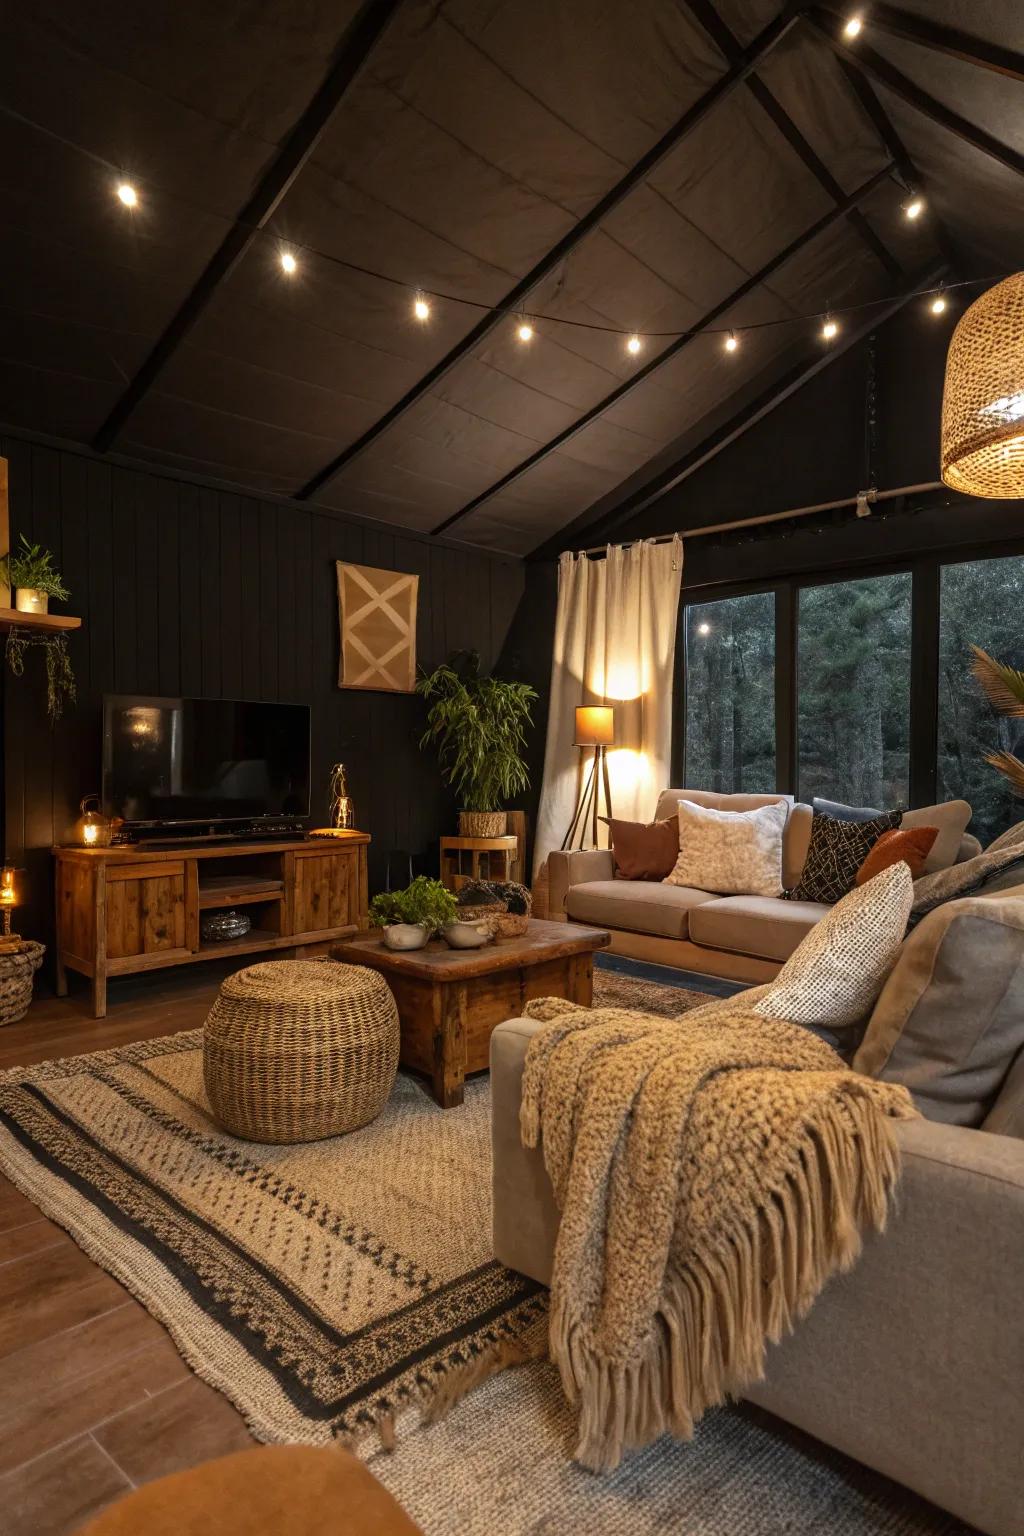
<point>885,74</point>
<point>707,17</point>
<point>672,350</point>
<point>354,49</point>
<point>900,155</point>
<point>611,525</point>
<point>734,76</point>
<point>944,39</point>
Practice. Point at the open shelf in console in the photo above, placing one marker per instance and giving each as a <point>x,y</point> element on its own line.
<point>237,889</point>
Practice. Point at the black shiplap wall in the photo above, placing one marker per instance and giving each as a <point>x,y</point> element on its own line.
<point>184,589</point>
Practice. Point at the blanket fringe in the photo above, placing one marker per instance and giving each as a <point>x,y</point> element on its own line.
<point>708,1337</point>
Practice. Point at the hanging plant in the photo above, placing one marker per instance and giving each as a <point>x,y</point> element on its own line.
<point>60,678</point>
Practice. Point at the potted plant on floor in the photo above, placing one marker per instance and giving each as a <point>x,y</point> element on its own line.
<point>410,918</point>
<point>478,725</point>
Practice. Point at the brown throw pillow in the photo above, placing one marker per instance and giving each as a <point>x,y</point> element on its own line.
<point>910,845</point>
<point>644,850</point>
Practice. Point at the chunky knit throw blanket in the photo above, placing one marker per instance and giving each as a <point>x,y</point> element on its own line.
<point>712,1172</point>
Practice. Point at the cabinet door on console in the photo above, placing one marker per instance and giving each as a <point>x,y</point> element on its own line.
<point>326,892</point>
<point>145,909</point>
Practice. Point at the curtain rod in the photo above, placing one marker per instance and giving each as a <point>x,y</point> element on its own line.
<point>863,501</point>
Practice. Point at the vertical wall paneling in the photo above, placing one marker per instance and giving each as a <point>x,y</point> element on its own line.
<point>200,591</point>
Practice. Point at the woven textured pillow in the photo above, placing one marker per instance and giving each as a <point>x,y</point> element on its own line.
<point>911,844</point>
<point>971,878</point>
<point>837,850</point>
<point>733,853</point>
<point>835,975</point>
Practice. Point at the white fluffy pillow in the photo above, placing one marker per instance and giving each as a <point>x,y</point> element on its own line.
<point>834,977</point>
<point>733,853</point>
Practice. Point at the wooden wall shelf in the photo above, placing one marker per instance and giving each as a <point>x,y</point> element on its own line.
<point>11,618</point>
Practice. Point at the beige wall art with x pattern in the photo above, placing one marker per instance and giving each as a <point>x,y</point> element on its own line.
<point>377,613</point>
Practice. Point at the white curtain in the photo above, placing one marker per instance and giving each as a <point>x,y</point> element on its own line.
<point>615,637</point>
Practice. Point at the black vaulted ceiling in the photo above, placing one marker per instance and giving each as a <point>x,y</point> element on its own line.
<point>457,145</point>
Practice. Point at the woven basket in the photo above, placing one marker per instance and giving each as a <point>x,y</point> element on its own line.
<point>482,823</point>
<point>297,1050</point>
<point>510,925</point>
<point>17,969</point>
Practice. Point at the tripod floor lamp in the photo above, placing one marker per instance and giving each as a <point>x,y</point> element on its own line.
<point>595,727</point>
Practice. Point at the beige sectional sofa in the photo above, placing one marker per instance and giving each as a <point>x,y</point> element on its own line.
<point>914,1361</point>
<point>740,938</point>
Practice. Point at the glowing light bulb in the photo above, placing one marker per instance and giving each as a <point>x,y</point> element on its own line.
<point>420,308</point>
<point>938,304</point>
<point>128,195</point>
<point>731,342</point>
<point>914,208</point>
<point>703,629</point>
<point>524,331</point>
<point>830,329</point>
<point>633,345</point>
<point>853,27</point>
<point>288,263</point>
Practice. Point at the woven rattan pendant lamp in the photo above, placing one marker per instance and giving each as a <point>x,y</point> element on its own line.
<point>983,402</point>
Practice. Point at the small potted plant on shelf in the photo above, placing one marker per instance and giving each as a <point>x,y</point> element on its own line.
<point>410,918</point>
<point>29,570</point>
<point>478,725</point>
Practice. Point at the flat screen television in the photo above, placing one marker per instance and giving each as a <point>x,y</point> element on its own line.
<point>175,762</point>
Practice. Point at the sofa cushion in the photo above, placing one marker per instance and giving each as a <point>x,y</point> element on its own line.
<point>643,850</point>
<point>998,869</point>
<point>731,852</point>
<point>639,906</point>
<point>1006,1117</point>
<point>837,850</point>
<point>1014,834</point>
<point>836,974</point>
<point>670,798</point>
<point>765,926</point>
<point>841,812</point>
<point>949,1022</point>
<point>951,818</point>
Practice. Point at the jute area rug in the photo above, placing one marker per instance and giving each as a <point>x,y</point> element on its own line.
<point>346,1289</point>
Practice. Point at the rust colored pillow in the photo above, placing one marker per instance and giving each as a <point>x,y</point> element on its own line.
<point>911,845</point>
<point>644,850</point>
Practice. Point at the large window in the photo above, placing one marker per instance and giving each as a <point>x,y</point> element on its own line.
<point>730,694</point>
<point>853,662</point>
<point>981,603</point>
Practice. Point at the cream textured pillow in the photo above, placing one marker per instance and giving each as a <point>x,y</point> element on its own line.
<point>733,853</point>
<point>836,974</point>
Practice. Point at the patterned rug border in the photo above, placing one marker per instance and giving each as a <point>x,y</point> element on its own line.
<point>505,1335</point>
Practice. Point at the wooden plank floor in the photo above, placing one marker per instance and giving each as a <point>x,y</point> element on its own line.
<point>94,1397</point>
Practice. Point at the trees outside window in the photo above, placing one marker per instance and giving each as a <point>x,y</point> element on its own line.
<point>730,694</point>
<point>854,691</point>
<point>981,603</point>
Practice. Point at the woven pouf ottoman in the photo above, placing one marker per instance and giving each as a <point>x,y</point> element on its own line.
<point>297,1050</point>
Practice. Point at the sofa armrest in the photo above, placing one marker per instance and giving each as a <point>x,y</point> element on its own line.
<point>567,869</point>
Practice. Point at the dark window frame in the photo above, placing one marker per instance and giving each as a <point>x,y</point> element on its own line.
<point>926,578</point>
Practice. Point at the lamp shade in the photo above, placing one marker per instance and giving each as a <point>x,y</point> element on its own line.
<point>595,725</point>
<point>983,401</point>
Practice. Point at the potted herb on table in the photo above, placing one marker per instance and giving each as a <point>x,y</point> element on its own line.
<point>410,918</point>
<point>478,725</point>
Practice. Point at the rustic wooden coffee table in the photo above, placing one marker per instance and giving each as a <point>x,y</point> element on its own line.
<point>449,1000</point>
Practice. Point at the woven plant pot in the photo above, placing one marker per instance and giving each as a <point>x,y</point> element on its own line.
<point>298,1050</point>
<point>17,970</point>
<point>482,823</point>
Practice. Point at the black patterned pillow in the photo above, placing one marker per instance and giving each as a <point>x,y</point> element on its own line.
<point>837,850</point>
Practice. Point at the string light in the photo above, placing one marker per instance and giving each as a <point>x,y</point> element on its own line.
<point>938,304</point>
<point>288,263</point>
<point>732,341</point>
<point>830,330</point>
<point>128,195</point>
<point>420,308</point>
<point>853,27</point>
<point>703,629</point>
<point>633,345</point>
<point>524,330</point>
<point>914,208</point>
